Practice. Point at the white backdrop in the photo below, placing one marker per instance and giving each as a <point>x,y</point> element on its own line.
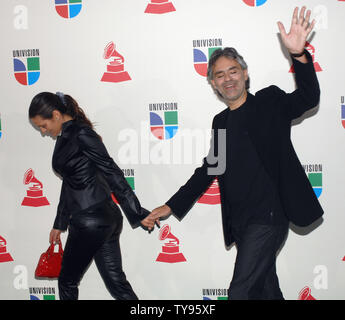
<point>158,56</point>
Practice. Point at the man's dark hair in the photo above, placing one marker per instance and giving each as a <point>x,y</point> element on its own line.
<point>230,53</point>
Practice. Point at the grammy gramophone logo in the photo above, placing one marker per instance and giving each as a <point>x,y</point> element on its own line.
<point>34,193</point>
<point>115,67</point>
<point>311,50</point>
<point>212,194</point>
<point>305,294</point>
<point>171,249</point>
<point>4,255</point>
<point>160,7</point>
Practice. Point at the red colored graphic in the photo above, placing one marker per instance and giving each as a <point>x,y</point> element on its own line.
<point>159,7</point>
<point>158,132</point>
<point>211,195</point>
<point>344,256</point>
<point>114,198</point>
<point>305,294</point>
<point>249,2</point>
<point>34,194</point>
<point>254,3</point>
<point>311,50</point>
<point>115,69</point>
<point>4,256</point>
<point>170,250</point>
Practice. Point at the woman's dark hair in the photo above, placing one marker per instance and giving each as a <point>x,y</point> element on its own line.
<point>44,103</point>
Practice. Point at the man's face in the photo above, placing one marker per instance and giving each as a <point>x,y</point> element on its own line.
<point>229,79</point>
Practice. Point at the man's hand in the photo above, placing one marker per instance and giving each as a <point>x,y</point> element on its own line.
<point>300,29</point>
<point>153,217</point>
<point>160,212</point>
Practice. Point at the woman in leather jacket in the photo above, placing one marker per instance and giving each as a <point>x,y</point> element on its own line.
<point>89,177</point>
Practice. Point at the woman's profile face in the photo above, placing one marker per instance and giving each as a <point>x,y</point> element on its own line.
<point>51,127</point>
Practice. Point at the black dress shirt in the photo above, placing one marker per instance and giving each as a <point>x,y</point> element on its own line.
<point>250,193</point>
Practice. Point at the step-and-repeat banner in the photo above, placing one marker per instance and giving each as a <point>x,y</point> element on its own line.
<point>138,69</point>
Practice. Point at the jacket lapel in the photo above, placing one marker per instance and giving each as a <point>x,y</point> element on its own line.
<point>253,125</point>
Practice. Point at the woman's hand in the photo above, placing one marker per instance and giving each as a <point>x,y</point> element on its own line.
<point>54,236</point>
<point>153,218</point>
<point>148,222</point>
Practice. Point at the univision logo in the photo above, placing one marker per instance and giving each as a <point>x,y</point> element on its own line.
<point>42,293</point>
<point>202,51</point>
<point>129,176</point>
<point>314,173</point>
<point>215,294</point>
<point>342,112</point>
<point>254,3</point>
<point>164,120</point>
<point>26,66</point>
<point>68,9</point>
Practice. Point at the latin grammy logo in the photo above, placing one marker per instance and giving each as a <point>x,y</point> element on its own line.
<point>4,256</point>
<point>34,194</point>
<point>311,50</point>
<point>115,68</point>
<point>170,250</point>
<point>211,195</point>
<point>160,6</point>
<point>305,294</point>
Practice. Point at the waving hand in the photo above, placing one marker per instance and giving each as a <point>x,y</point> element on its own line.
<point>300,29</point>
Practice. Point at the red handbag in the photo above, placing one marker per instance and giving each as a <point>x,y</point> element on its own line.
<point>49,264</point>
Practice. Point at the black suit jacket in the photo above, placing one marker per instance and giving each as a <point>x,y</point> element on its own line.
<point>89,176</point>
<point>270,113</point>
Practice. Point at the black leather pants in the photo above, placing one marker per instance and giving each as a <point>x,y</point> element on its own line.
<point>94,234</point>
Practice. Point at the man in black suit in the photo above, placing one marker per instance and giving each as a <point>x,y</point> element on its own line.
<point>263,185</point>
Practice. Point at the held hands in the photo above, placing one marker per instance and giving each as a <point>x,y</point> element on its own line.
<point>153,217</point>
<point>300,28</point>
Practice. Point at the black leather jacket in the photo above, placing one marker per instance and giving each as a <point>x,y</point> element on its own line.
<point>89,176</point>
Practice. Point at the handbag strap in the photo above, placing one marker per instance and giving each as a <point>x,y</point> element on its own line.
<point>50,250</point>
<point>60,248</point>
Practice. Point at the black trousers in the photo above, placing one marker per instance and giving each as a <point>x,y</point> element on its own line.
<point>255,276</point>
<point>94,234</point>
